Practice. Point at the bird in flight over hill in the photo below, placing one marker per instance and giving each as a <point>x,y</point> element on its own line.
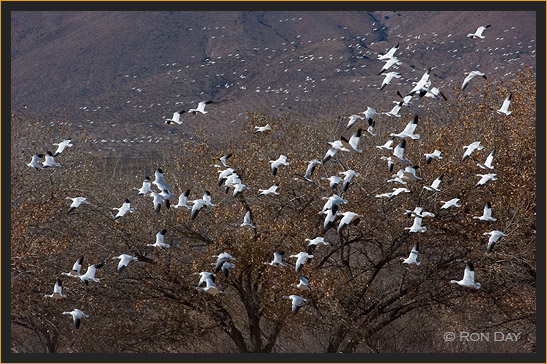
<point>395,110</point>
<point>435,185</point>
<point>126,206</point>
<point>160,240</point>
<point>297,302</point>
<point>183,200</point>
<point>200,108</point>
<point>125,259</point>
<point>389,76</point>
<point>422,86</point>
<point>300,260</point>
<point>263,129</point>
<point>247,220</point>
<point>353,119</point>
<point>353,143</point>
<point>224,159</point>
<point>61,146</point>
<point>485,178</point>
<point>450,203</point>
<point>408,131</point>
<point>271,190</point>
<point>76,202</point>
<point>413,256</point>
<point>89,275</point>
<point>159,181</point>
<point>488,163</point>
<point>175,118</point>
<point>35,160</point>
<point>487,213</point>
<point>282,160</point>
<point>468,277</point>
<point>348,218</point>
<point>429,156</point>
<point>399,151</point>
<point>50,161</point>
<point>221,259</point>
<point>77,316</point>
<point>389,53</point>
<point>303,283</point>
<point>57,290</point>
<point>390,62</point>
<point>504,107</point>
<point>146,184</point>
<point>277,259</point>
<point>470,149</point>
<point>311,168</point>
<point>470,77</point>
<point>478,32</point>
<point>495,235</point>
<point>75,272</point>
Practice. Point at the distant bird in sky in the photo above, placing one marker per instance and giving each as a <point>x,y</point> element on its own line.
<point>57,290</point>
<point>160,240</point>
<point>504,107</point>
<point>126,207</point>
<point>311,168</point>
<point>200,108</point>
<point>389,53</point>
<point>478,32</point>
<point>263,129</point>
<point>75,272</point>
<point>487,213</point>
<point>470,76</point>
<point>175,118</point>
<point>50,161</point>
<point>495,235</point>
<point>468,277</point>
<point>412,256</point>
<point>146,184</point>
<point>450,203</point>
<point>282,160</point>
<point>470,149</point>
<point>353,119</point>
<point>247,220</point>
<point>76,202</point>
<point>271,190</point>
<point>297,302</point>
<point>485,178</point>
<point>35,161</point>
<point>435,185</point>
<point>301,258</point>
<point>388,77</point>
<point>488,163</point>
<point>429,156</point>
<point>277,259</point>
<point>408,131</point>
<point>183,200</point>
<point>90,273</point>
<point>77,316</point>
<point>125,259</point>
<point>61,146</point>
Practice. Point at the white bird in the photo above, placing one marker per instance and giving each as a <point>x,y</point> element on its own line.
<point>488,163</point>
<point>353,143</point>
<point>160,240</point>
<point>221,259</point>
<point>399,151</point>
<point>331,152</point>
<point>468,277</point>
<point>207,198</point>
<point>332,201</point>
<point>166,195</point>
<point>504,107</point>
<point>370,128</point>
<point>348,176</point>
<point>75,272</point>
<point>200,108</point>
<point>77,316</point>
<point>183,200</point>
<point>272,190</point>
<point>158,200</point>
<point>495,235</point>
<point>57,291</point>
<point>369,113</point>
<point>90,274</point>
<point>300,260</point>
<point>396,191</point>
<point>197,205</point>
<point>348,218</point>
<point>297,302</point>
<point>406,99</point>
<point>226,267</point>
<point>389,76</point>
<point>159,180</point>
<point>247,220</point>
<point>413,256</point>
<point>387,145</point>
<point>486,213</point>
<point>224,159</point>
<point>50,161</point>
<point>485,178</point>
<point>409,129</point>
<point>429,156</point>
<point>210,286</point>
<point>435,185</point>
<point>175,118</point>
<point>390,62</point>
<point>311,167</point>
<point>61,146</point>
<point>224,174</point>
<point>333,180</point>
<point>330,217</point>
<point>282,160</point>
<point>238,188</point>
<point>416,226</point>
<point>434,93</point>
<point>389,163</point>
<point>277,259</point>
<point>303,283</point>
<point>422,86</point>
<point>470,149</point>
<point>419,211</point>
<point>450,203</point>
<point>398,177</point>
<point>125,259</point>
<point>395,110</point>
<point>389,53</point>
<point>203,276</point>
<point>262,129</point>
<point>353,119</point>
<point>409,173</point>
<point>35,160</point>
<point>146,184</point>
<point>470,76</point>
<point>126,207</point>
<point>317,241</point>
<point>478,32</point>
<point>76,202</point>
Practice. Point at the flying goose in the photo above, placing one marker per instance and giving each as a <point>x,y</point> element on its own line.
<point>125,259</point>
<point>75,272</point>
<point>419,212</point>
<point>303,283</point>
<point>238,188</point>
<point>370,129</point>
<point>221,259</point>
<point>301,258</point>
<point>175,118</point>
<point>450,203</point>
<point>413,256</point>
<point>389,76</point>
<point>262,129</point>
<point>57,291</point>
<point>224,159</point>
<point>504,107</point>
<point>470,77</point>
<point>159,180</point>
<point>485,178</point>
<point>332,201</point>
<point>160,240</point>
<point>348,218</point>
<point>434,93</point>
<point>486,213</point>
<point>126,206</point>
<point>183,200</point>
<point>406,99</point>
<point>76,202</point>
<point>226,266</point>
<point>422,85</point>
<point>369,113</point>
<point>395,110</point>
<point>247,220</point>
<point>330,217</point>
<point>203,277</point>
<point>271,190</point>
<point>429,156</point>
<point>488,163</point>
<point>50,161</point>
<point>468,277</point>
<point>389,53</point>
<point>389,163</point>
<point>396,191</point>
<point>416,226</point>
<point>200,108</point>
<point>146,184</point>
<point>470,149</point>
<point>409,173</point>
<point>435,185</point>
<point>35,160</point>
<point>158,200</point>
<point>408,131</point>
<point>495,235</point>
<point>207,198</point>
<point>277,259</point>
<point>282,160</point>
<point>61,146</point>
<point>90,273</point>
<point>390,62</point>
<point>297,302</point>
<point>353,143</point>
<point>77,316</point>
<point>387,145</point>
<point>197,206</point>
<point>399,151</point>
<point>166,195</point>
<point>311,168</point>
<point>317,241</point>
<point>333,180</point>
<point>348,176</point>
<point>210,286</point>
<point>353,119</point>
<point>478,32</point>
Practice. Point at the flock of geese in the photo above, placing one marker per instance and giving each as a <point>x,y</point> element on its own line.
<point>162,193</point>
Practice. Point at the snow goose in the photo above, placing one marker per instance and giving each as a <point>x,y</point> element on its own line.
<point>434,94</point>
<point>353,143</point>
<point>488,163</point>
<point>271,190</point>
<point>495,235</point>
<point>75,272</point>
<point>311,168</point>
<point>247,220</point>
<point>468,277</point>
<point>159,180</point>
<point>263,129</point>
<point>504,107</point>
<point>297,302</point>
<point>61,146</point>
<point>399,151</point>
<point>348,177</point>
<point>126,207</point>
<point>330,217</point>
<point>486,213</point>
<point>238,189</point>
<point>333,180</point>
<point>478,32</point>
<point>390,62</point>
<point>485,178</point>
<point>416,226</point>
<point>175,118</point>
<point>221,259</point>
<point>369,113</point>
<point>183,200</point>
<point>408,131</point>
<point>470,77</point>
<point>396,191</point>
<point>282,160</point>
<point>348,218</point>
<point>77,316</point>
<point>370,129</point>
<point>146,184</point>
<point>422,85</point>
<point>301,258</point>
<point>210,286</point>
<point>419,212</point>
<point>203,277</point>
<point>200,108</point>
<point>90,273</point>
<point>207,198</point>
<point>450,203</point>
<point>57,291</point>
<point>50,161</point>
<point>158,200</point>
<point>429,156</point>
<point>389,53</point>
<point>412,256</point>
<point>76,202</point>
<point>389,162</point>
<point>277,259</point>
<point>166,195</point>
<point>406,99</point>
<point>470,149</point>
<point>409,173</point>
<point>197,206</point>
<point>389,76</point>
<point>398,177</point>
<point>317,241</point>
<point>387,145</point>
<point>395,110</point>
<point>125,259</point>
<point>435,185</point>
<point>225,268</point>
<point>353,119</point>
<point>35,160</point>
<point>224,159</point>
<point>224,174</point>
<point>332,201</point>
<point>303,283</point>
<point>160,240</point>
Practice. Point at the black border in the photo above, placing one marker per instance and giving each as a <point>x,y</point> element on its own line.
<point>7,7</point>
